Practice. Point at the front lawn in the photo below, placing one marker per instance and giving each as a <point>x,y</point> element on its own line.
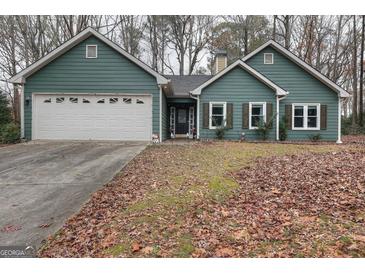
<point>225,199</point>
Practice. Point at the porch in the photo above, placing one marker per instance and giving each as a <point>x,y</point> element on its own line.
<point>182,118</point>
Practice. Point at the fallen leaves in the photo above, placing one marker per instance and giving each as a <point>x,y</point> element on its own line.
<point>45,225</point>
<point>285,205</point>
<point>360,238</point>
<point>10,228</point>
<point>136,247</point>
<point>225,252</point>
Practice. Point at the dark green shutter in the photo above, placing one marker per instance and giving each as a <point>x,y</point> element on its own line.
<point>206,115</point>
<point>323,116</point>
<point>288,116</point>
<point>229,115</point>
<point>245,115</point>
<point>269,114</point>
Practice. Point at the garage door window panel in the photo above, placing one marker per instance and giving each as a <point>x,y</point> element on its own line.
<point>60,100</point>
<point>74,100</point>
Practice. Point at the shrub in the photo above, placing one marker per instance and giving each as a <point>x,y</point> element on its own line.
<point>5,112</point>
<point>347,128</point>
<point>263,128</point>
<point>315,137</point>
<point>283,129</point>
<point>9,133</point>
<point>220,131</point>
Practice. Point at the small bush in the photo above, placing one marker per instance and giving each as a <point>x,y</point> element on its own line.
<point>5,111</point>
<point>315,137</point>
<point>219,132</point>
<point>283,129</point>
<point>347,128</point>
<point>9,133</point>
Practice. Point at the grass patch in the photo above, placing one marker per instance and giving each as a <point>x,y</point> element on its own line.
<point>220,188</point>
<point>118,249</point>
<point>185,246</point>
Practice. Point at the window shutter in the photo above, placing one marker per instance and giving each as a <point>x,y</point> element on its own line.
<point>323,116</point>
<point>269,117</point>
<point>229,115</point>
<point>245,115</point>
<point>288,116</point>
<point>206,115</point>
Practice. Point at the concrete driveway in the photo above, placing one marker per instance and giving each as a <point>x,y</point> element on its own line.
<point>44,183</point>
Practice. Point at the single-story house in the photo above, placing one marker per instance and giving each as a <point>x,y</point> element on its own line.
<point>91,89</point>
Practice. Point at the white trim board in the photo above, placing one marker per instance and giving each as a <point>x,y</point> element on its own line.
<point>305,116</point>
<point>250,113</point>
<point>224,104</point>
<point>278,90</point>
<point>21,76</point>
<point>302,64</point>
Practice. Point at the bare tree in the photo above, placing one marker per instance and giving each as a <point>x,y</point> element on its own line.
<point>361,95</point>
<point>354,73</point>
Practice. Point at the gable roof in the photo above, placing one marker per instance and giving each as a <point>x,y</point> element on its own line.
<point>278,90</point>
<point>182,84</point>
<point>315,73</point>
<point>21,76</point>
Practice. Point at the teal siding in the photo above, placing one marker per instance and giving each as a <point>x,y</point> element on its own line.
<point>303,88</point>
<point>109,73</point>
<point>165,118</point>
<point>237,87</point>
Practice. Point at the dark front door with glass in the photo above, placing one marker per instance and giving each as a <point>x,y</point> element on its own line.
<point>182,120</point>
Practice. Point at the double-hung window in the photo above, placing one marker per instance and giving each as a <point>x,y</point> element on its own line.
<point>257,114</point>
<point>217,114</point>
<point>306,116</point>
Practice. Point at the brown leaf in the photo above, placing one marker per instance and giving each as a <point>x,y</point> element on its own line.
<point>135,247</point>
<point>360,238</point>
<point>225,252</point>
<point>45,225</point>
<point>147,250</point>
<point>241,235</point>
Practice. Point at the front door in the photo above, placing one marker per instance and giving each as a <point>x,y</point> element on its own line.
<point>182,120</point>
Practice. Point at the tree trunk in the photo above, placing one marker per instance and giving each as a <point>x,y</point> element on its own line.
<point>361,101</point>
<point>354,74</point>
<point>274,29</point>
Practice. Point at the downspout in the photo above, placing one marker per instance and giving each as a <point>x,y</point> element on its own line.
<point>278,99</point>
<point>22,134</point>
<point>160,133</point>
<point>197,98</point>
<point>339,121</point>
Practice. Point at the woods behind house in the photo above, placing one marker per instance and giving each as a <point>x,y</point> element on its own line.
<point>184,44</point>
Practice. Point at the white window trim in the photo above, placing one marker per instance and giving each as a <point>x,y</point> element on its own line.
<point>250,112</point>
<point>272,58</point>
<point>87,51</point>
<point>211,112</point>
<point>305,116</point>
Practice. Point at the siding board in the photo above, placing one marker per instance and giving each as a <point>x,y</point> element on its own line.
<point>236,87</point>
<point>302,87</point>
<point>109,73</point>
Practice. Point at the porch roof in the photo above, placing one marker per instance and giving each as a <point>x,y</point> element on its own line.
<point>181,85</point>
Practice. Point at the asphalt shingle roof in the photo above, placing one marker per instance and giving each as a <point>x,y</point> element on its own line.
<point>182,84</point>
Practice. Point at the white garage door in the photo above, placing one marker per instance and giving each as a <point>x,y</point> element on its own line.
<point>92,117</point>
